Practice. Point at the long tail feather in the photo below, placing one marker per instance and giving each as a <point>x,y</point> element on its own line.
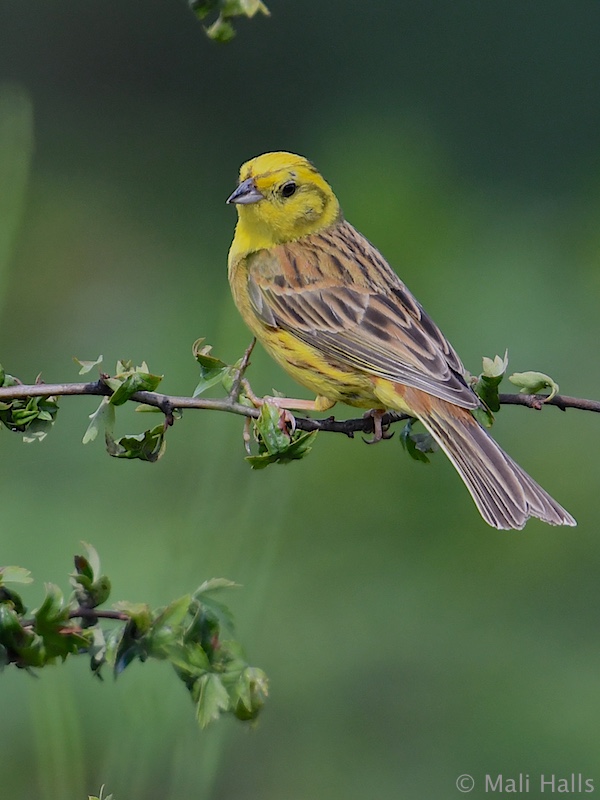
<point>505,494</point>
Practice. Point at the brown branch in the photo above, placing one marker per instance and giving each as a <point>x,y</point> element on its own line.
<point>234,392</point>
<point>538,401</point>
<point>168,403</point>
<point>86,613</point>
<point>96,613</point>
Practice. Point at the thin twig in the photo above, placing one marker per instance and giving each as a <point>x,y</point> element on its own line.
<point>538,401</point>
<point>22,390</point>
<point>86,613</point>
<point>96,613</point>
<point>168,403</point>
<point>234,392</point>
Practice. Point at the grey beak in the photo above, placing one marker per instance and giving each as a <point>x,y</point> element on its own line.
<point>246,193</point>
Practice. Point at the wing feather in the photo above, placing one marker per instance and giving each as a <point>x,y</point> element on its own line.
<point>335,292</point>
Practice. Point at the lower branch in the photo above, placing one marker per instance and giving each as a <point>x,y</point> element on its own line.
<point>192,633</point>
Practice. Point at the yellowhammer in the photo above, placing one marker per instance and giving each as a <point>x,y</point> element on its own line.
<point>328,307</point>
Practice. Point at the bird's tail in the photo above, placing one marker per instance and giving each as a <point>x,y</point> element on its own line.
<point>504,493</point>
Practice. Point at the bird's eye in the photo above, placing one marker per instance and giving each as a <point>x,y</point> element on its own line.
<point>288,189</point>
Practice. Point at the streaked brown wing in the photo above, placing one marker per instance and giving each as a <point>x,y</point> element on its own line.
<point>335,292</point>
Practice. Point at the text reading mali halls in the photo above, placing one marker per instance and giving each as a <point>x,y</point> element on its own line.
<point>576,783</point>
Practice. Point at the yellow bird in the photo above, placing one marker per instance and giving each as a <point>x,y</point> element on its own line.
<point>328,307</point>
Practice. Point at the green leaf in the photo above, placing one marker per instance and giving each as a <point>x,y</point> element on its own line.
<point>52,607</point>
<point>91,594</point>
<point>131,642</point>
<point>486,386</point>
<point>144,408</point>
<point>251,691</point>
<point>35,432</point>
<point>534,383</point>
<point>211,698</point>
<point>93,559</point>
<point>417,444</point>
<point>174,614</point>
<point>165,642</point>
<point>212,369</point>
<point>147,446</point>
<point>221,30</point>
<point>13,599</point>
<point>210,608</point>
<point>197,659</point>
<point>10,625</point>
<point>87,366</point>
<point>202,8</point>
<point>32,416</point>
<point>103,417</point>
<point>177,655</point>
<point>84,569</point>
<point>135,382</point>
<point>206,383</point>
<point>101,795</point>
<point>100,591</point>
<point>276,444</point>
<point>127,649</point>
<point>112,640</point>
<point>214,584</point>
<point>271,429</point>
<point>496,367</point>
<point>15,575</point>
<point>52,625</point>
<point>123,367</point>
<point>229,8</point>
<point>201,353</point>
<point>20,645</point>
<point>252,7</point>
<point>8,380</point>
<point>139,613</point>
<point>32,652</point>
<point>484,416</point>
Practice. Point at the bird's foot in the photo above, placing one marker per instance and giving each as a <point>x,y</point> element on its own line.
<point>290,403</point>
<point>380,431</point>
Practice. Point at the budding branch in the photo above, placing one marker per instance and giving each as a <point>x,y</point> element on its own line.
<point>170,403</point>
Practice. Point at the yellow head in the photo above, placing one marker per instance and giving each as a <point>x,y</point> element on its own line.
<point>280,197</point>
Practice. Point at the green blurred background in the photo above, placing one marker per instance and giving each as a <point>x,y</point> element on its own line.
<point>406,641</point>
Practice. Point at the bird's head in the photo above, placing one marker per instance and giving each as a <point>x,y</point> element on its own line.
<point>281,197</point>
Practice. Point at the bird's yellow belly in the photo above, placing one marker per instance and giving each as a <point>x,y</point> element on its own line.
<point>307,366</point>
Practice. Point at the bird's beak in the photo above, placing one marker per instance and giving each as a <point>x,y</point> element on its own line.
<point>246,193</point>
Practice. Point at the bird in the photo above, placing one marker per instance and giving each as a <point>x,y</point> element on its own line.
<point>328,307</point>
